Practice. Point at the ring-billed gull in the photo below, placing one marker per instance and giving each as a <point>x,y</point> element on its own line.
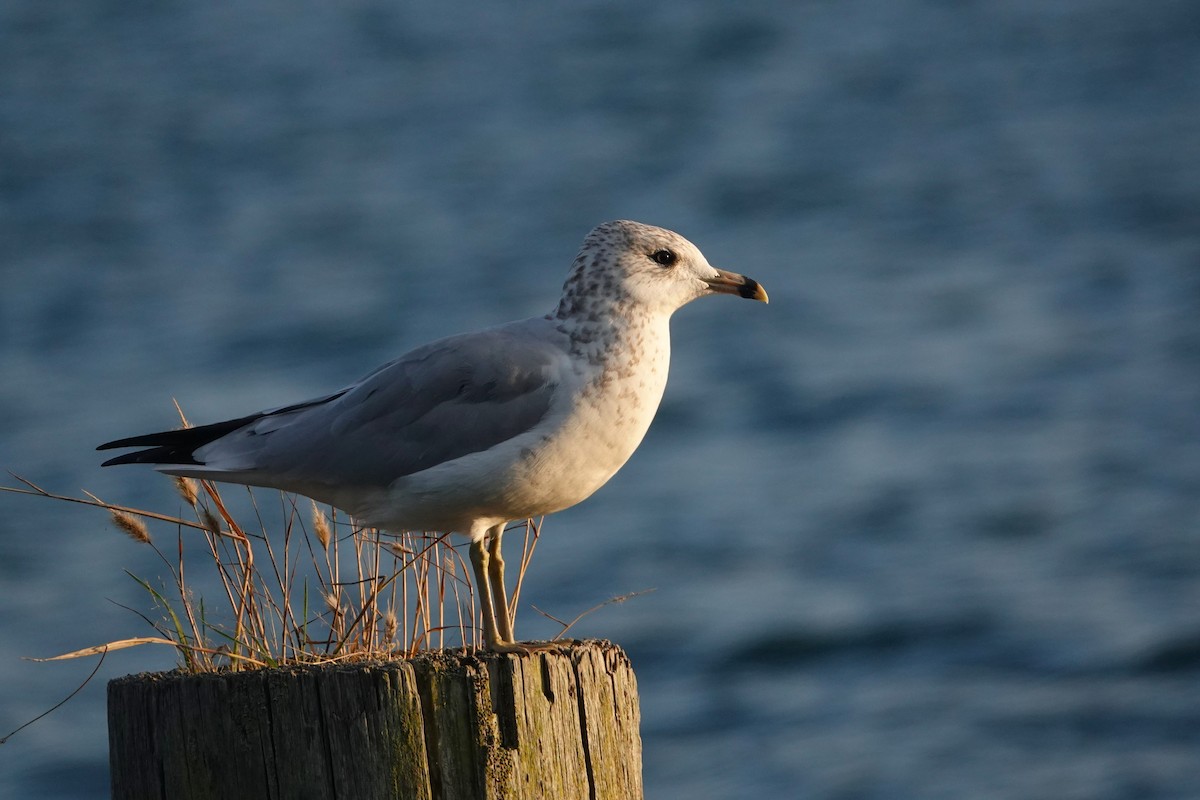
<point>471,432</point>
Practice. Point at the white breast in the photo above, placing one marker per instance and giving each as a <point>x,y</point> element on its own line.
<point>601,412</point>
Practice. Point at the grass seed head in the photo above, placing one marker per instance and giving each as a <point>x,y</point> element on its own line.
<point>333,600</point>
<point>186,488</point>
<point>321,526</point>
<point>210,521</point>
<point>130,525</point>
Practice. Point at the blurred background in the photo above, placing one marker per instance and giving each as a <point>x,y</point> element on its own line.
<point>927,526</point>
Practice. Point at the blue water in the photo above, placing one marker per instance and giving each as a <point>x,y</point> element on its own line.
<point>927,526</point>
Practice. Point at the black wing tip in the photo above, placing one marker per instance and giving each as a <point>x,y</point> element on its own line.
<point>172,447</point>
<point>127,458</point>
<point>155,455</point>
<point>157,450</point>
<point>175,437</point>
<point>115,443</point>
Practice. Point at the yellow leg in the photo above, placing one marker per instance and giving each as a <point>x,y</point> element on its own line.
<point>479,562</point>
<point>499,592</point>
<point>489,582</point>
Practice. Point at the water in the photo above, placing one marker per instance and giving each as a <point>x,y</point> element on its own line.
<point>926,526</point>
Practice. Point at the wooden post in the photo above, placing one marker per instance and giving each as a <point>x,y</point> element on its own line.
<point>442,726</point>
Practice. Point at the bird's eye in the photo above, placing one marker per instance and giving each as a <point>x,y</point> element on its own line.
<point>665,257</point>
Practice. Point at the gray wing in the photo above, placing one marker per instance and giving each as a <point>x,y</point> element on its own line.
<point>439,402</point>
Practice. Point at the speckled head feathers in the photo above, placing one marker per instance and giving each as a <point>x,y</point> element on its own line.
<point>628,268</point>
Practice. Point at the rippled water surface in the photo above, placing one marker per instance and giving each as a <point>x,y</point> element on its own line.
<point>926,526</point>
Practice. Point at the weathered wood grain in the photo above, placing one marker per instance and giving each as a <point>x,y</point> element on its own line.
<point>442,726</point>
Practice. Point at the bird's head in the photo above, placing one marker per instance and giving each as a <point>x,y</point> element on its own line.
<point>626,264</point>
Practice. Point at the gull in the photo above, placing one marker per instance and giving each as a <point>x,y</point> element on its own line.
<point>471,432</point>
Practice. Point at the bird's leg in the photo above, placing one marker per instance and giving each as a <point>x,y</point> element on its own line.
<point>494,636</point>
<point>479,561</point>
<point>489,582</point>
<point>496,578</point>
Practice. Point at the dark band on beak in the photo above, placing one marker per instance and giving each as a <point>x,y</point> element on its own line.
<point>752,291</point>
<point>732,283</point>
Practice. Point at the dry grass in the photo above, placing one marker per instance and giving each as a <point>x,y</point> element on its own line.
<point>322,589</point>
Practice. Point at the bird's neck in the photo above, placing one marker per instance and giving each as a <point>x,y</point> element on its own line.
<point>615,341</point>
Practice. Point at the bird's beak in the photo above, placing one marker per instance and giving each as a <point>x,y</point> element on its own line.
<point>732,283</point>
